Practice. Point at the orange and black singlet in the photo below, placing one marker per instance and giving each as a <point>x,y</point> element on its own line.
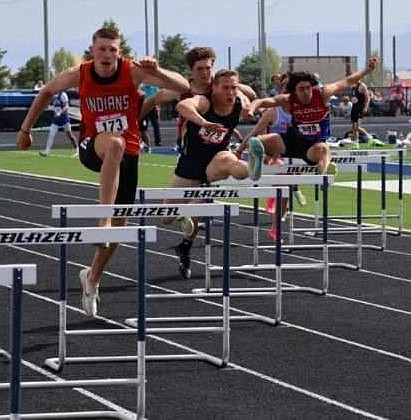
<point>110,104</point>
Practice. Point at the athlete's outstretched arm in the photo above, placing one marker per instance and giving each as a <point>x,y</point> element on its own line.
<point>260,128</point>
<point>164,96</point>
<point>148,71</point>
<point>332,88</point>
<point>193,108</point>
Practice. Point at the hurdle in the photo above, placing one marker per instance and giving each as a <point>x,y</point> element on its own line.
<point>381,157</point>
<point>229,189</point>
<point>348,161</point>
<point>286,179</point>
<point>64,212</point>
<point>78,236</point>
<point>15,276</point>
<point>215,193</point>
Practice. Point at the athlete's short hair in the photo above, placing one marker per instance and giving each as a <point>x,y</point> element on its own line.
<point>107,33</point>
<point>224,73</point>
<point>200,53</point>
<point>300,76</point>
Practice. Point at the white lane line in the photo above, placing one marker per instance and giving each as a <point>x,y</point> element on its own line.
<point>349,342</point>
<point>40,191</point>
<point>235,366</point>
<point>48,178</point>
<point>296,326</point>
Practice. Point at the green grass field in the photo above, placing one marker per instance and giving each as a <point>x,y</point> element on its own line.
<point>155,171</point>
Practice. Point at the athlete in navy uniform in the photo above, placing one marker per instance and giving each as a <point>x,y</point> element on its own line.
<point>60,119</point>
<point>360,99</point>
<point>205,155</point>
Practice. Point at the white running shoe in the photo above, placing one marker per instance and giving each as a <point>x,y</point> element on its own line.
<point>90,294</point>
<point>302,201</point>
<point>187,225</point>
<point>255,158</point>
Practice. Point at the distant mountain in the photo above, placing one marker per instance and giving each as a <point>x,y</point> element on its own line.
<point>285,43</point>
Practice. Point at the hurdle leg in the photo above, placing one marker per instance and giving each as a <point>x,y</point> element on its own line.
<point>207,254</point>
<point>62,339</point>
<point>359,218</point>
<point>383,204</point>
<point>141,327</point>
<point>291,216</point>
<point>400,192</point>
<point>316,206</point>
<point>278,251</point>
<point>326,261</point>
<point>16,344</point>
<point>255,231</point>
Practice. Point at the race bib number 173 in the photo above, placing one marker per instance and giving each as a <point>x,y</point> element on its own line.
<point>113,124</point>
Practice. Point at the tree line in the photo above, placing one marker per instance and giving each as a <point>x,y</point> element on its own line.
<point>171,56</point>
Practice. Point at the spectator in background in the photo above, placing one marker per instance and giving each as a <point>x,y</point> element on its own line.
<point>396,97</point>
<point>60,119</point>
<point>360,99</point>
<point>275,87</point>
<point>345,106</point>
<point>255,84</point>
<point>319,82</point>
<point>143,125</point>
<point>38,86</point>
<point>153,115</point>
<point>377,104</point>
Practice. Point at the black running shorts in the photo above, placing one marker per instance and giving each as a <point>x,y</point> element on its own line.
<point>128,180</point>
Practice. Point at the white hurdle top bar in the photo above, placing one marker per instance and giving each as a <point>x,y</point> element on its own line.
<point>203,193</point>
<point>279,180</point>
<point>144,210</point>
<point>74,236</point>
<point>344,162</point>
<point>29,273</point>
<point>363,152</point>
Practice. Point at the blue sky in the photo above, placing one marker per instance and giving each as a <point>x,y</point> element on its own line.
<point>291,26</point>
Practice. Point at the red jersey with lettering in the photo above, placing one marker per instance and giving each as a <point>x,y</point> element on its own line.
<point>110,104</point>
<point>311,121</point>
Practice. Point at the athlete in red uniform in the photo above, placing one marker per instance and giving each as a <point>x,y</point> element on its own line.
<point>109,137</point>
<point>308,105</point>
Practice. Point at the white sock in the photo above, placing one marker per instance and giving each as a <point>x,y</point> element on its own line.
<point>50,138</point>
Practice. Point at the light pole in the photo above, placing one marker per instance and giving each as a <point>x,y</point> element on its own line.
<point>262,44</point>
<point>46,42</point>
<point>146,25</point>
<point>156,43</point>
<point>367,31</point>
<point>394,57</point>
<point>382,42</point>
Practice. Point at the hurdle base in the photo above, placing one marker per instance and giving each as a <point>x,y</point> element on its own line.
<point>236,318</point>
<point>265,291</point>
<point>73,384</point>
<point>345,265</point>
<point>262,267</point>
<point>70,415</point>
<point>53,363</point>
